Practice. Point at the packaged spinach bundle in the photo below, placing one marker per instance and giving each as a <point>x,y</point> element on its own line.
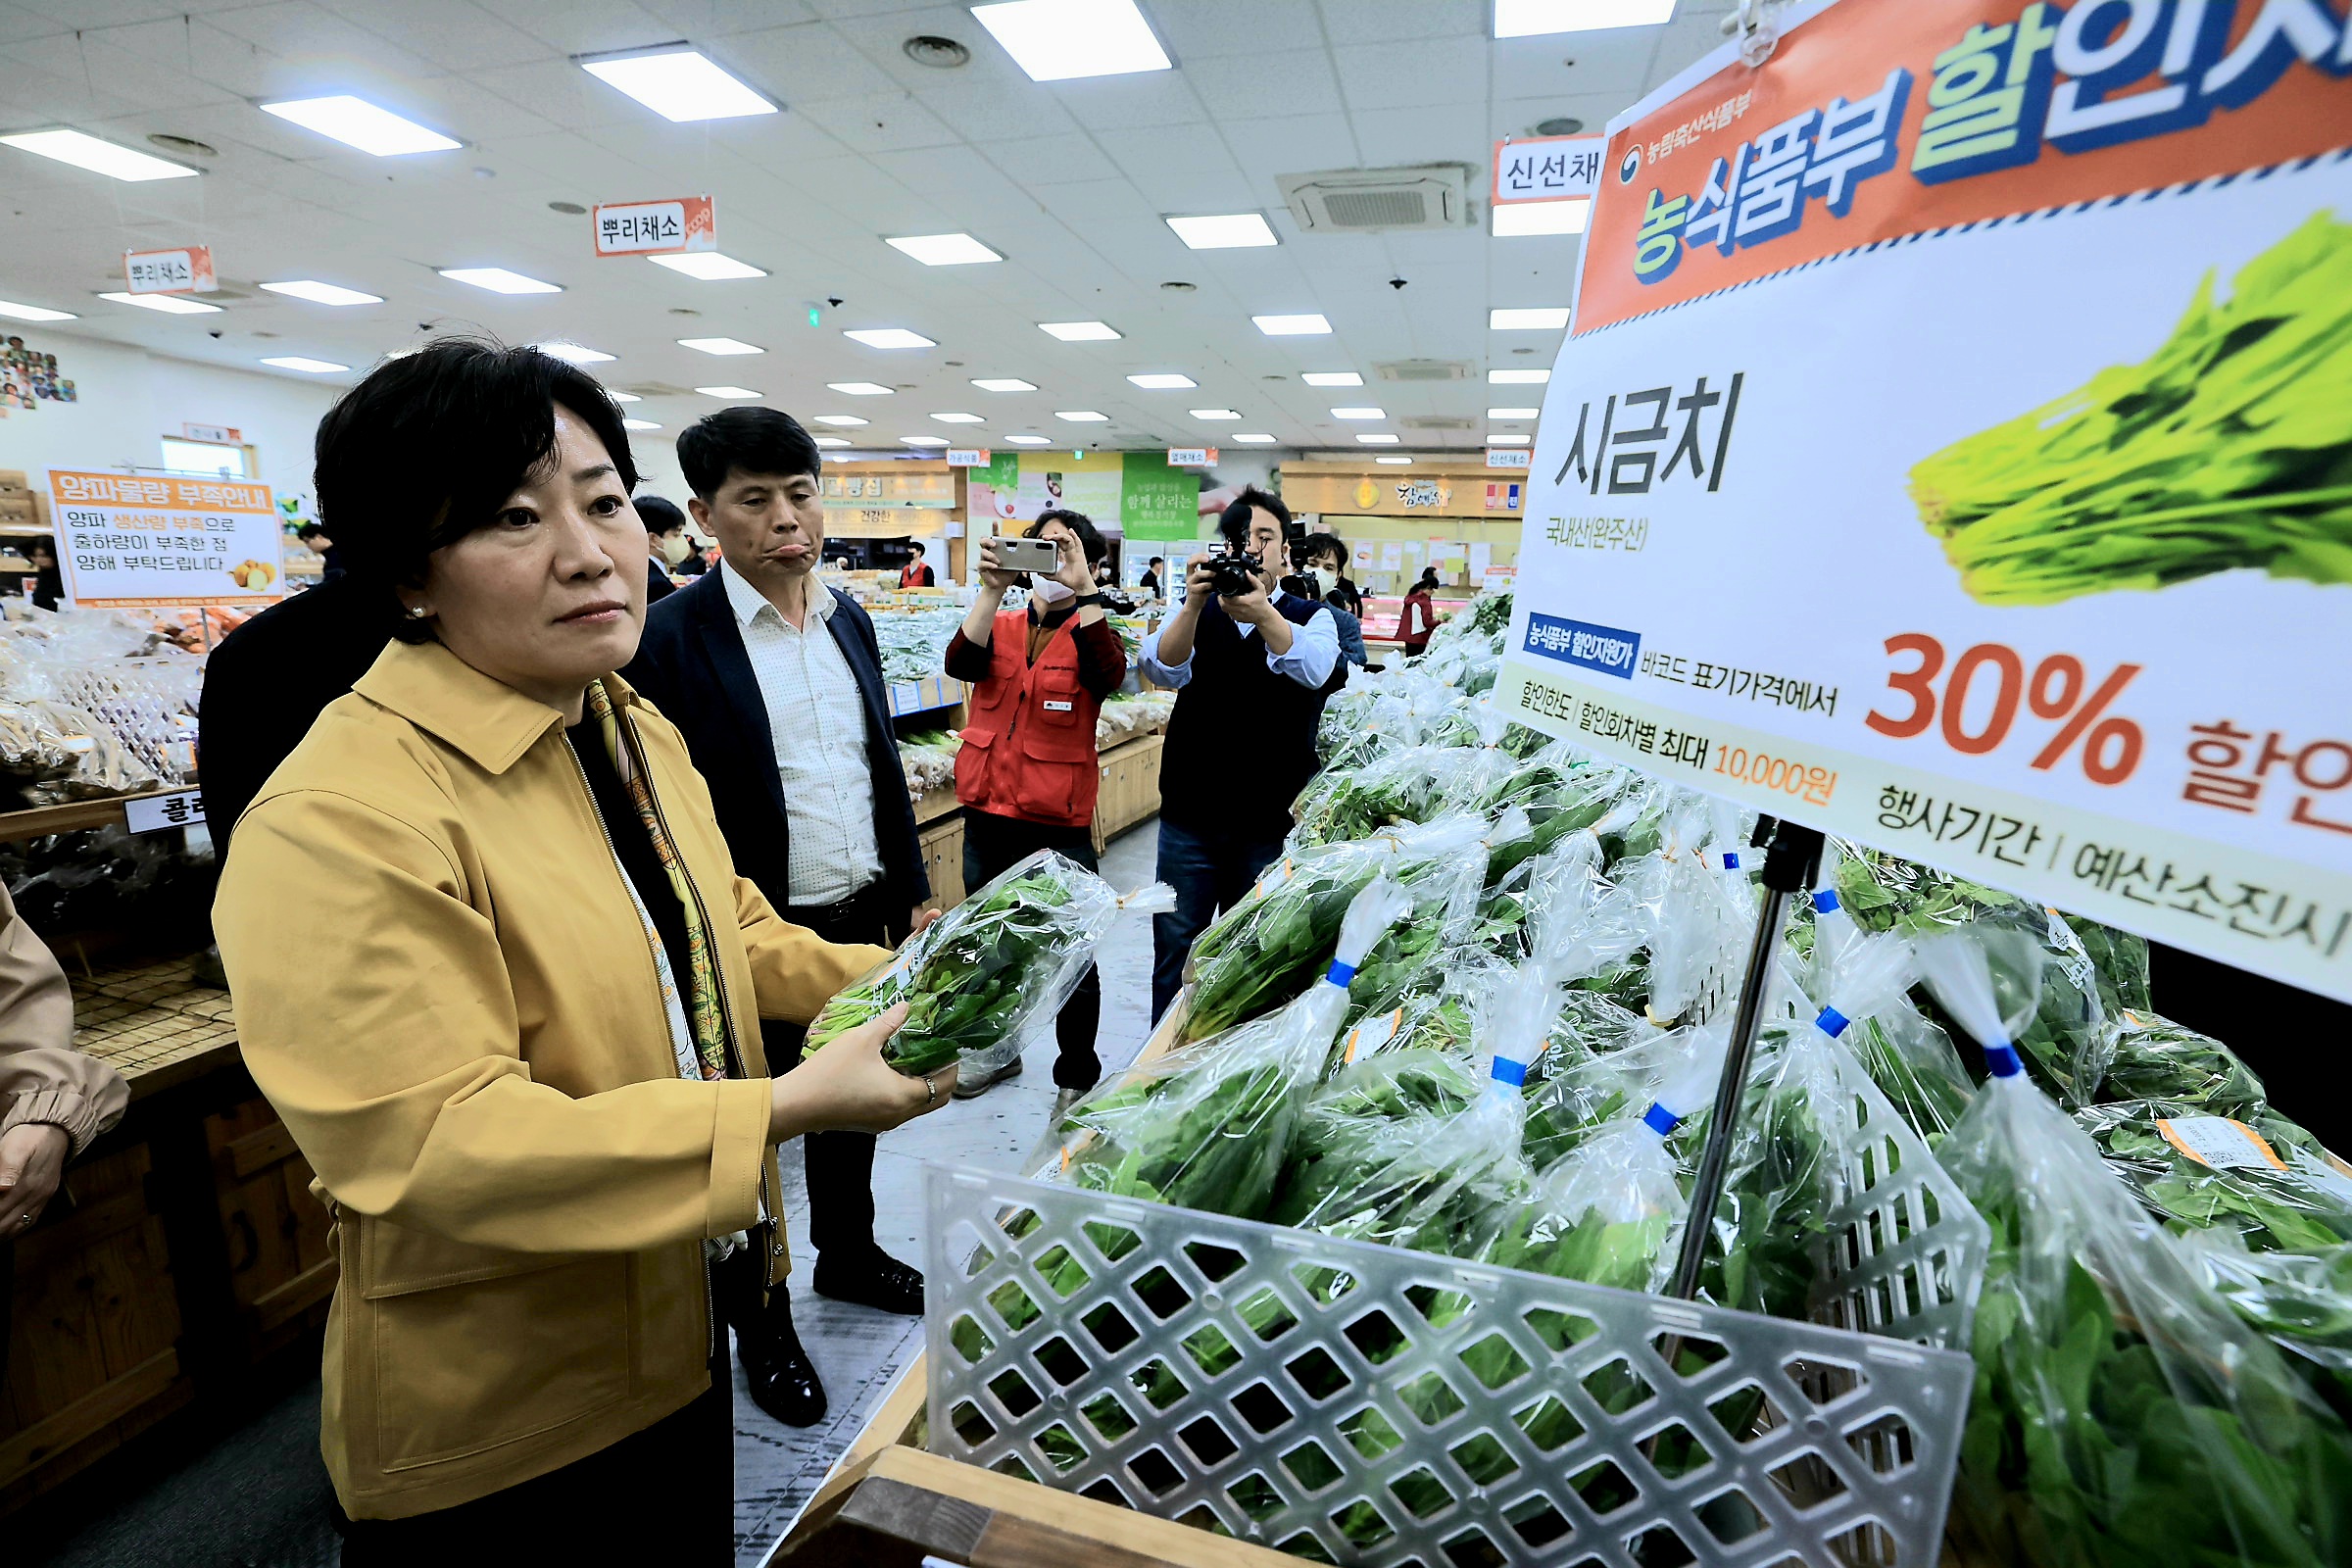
<point>2263,1180</point>
<point>2151,1057</point>
<point>1210,1126</point>
<point>2123,1414</point>
<point>975,978</point>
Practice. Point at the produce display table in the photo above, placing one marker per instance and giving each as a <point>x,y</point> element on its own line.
<point>190,1248</point>
<point>70,817</point>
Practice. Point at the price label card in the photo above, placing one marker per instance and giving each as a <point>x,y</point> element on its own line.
<point>152,813</point>
<point>2044,612</point>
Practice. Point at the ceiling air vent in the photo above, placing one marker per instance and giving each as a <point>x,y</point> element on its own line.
<point>1423,371</point>
<point>1438,421</point>
<point>1363,201</point>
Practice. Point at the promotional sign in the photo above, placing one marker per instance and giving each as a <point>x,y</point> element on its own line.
<point>129,541</point>
<point>186,270</point>
<point>967,457</point>
<point>655,229</point>
<point>1981,496</point>
<point>225,436</point>
<point>1546,168</point>
<point>1192,457</point>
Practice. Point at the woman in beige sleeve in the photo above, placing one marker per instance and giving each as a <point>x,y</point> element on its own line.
<point>52,1100</point>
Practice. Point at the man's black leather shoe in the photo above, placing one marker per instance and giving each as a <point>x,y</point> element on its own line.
<point>872,1278</point>
<point>783,1381</point>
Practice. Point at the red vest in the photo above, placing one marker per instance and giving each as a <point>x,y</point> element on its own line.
<point>914,574</point>
<point>1029,742</point>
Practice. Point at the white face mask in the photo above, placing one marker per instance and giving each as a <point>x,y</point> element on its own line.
<point>675,548</point>
<point>1049,592</point>
<point>1326,580</point>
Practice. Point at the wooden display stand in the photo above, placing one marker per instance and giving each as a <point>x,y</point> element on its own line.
<point>191,1249</point>
<point>1130,787</point>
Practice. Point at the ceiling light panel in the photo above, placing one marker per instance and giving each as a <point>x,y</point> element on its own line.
<point>1064,40</point>
<point>1079,331</point>
<point>575,353</point>
<point>1229,231</point>
<point>98,157</point>
<point>622,397</point>
<point>860,389</point>
<point>1359,414</point>
<point>1533,318</point>
<point>1392,460</point>
<point>1002,383</point>
<point>168,304</point>
<point>679,84</point>
<point>357,123</point>
<point>923,440</point>
<point>1305,325</point>
<point>1216,415</point>
<point>498,280</point>
<point>1255,438</point>
<point>738,392</point>
<point>1533,220</point>
<point>318,293</point>
<point>958,419</point>
<point>1163,381</point>
<point>1528,19</point>
<point>844,420</point>
<point>889,337</point>
<point>708,267</point>
<point>1518,377</point>
<point>1497,440</point>
<point>34,313</point>
<point>1332,378</point>
<point>1378,438</point>
<point>1029,440</point>
<point>719,345</point>
<point>296,361</point>
<point>1080,416</point>
<point>945,249</point>
<point>639,424</point>
<point>832,441</point>
<point>1514,413</point>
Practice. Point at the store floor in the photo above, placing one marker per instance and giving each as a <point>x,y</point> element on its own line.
<point>256,1496</point>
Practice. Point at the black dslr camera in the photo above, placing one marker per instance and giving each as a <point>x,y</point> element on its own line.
<point>1233,571</point>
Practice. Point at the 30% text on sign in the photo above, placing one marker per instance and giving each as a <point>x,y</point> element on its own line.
<point>2057,689</point>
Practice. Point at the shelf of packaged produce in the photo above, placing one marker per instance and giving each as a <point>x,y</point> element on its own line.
<point>924,696</point>
<point>73,816</point>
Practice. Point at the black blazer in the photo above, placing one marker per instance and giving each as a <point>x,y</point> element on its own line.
<point>693,667</point>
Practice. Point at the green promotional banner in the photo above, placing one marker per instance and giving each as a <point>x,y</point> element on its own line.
<point>1159,502</point>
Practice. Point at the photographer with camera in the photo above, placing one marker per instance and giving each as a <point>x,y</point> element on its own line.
<point>1251,666</point>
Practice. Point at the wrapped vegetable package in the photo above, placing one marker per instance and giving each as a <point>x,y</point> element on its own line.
<point>975,978</point>
<point>2123,1414</point>
<point>2263,1180</point>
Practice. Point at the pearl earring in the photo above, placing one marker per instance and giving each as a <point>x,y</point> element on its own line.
<point>419,611</point>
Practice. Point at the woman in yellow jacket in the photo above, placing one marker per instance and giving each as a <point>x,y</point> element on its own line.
<point>493,965</point>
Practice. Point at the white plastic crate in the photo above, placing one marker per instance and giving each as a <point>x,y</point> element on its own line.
<point>1196,1370</point>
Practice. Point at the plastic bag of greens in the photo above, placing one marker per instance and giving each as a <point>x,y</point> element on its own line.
<point>2123,1414</point>
<point>1209,1126</point>
<point>2151,1057</point>
<point>2301,1300</point>
<point>2263,1179</point>
<point>975,978</point>
<point>1915,1067</point>
<point>1268,948</point>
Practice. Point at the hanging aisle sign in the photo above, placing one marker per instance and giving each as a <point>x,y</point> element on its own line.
<point>186,270</point>
<point>1949,451</point>
<point>1545,168</point>
<point>655,229</point>
<point>127,541</point>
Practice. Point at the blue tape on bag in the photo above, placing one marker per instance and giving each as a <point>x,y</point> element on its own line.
<point>2002,1061</point>
<point>1730,860</point>
<point>1507,1071</point>
<point>1831,1022</point>
<point>1824,901</point>
<point>1341,973</point>
<point>1660,1120</point>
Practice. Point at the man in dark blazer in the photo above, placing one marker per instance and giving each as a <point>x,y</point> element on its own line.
<point>776,683</point>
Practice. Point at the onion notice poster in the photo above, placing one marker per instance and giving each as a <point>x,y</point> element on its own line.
<point>1952,449</point>
<point>131,540</point>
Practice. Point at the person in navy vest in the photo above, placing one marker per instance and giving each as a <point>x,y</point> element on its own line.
<point>1252,672</point>
<point>775,681</point>
<point>1026,773</point>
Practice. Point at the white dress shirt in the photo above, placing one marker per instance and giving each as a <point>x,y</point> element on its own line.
<point>817,718</point>
<point>1314,649</point>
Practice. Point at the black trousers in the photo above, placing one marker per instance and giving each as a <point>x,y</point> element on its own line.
<point>666,1495</point>
<point>992,845</point>
<point>840,1164</point>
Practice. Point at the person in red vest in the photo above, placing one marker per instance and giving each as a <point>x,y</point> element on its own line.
<point>1026,773</point>
<point>1419,617</point>
<point>916,574</point>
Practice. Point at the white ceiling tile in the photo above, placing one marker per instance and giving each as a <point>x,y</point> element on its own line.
<point>328,53</point>
<point>1268,148</point>
<point>979,112</point>
<point>454,34</point>
<point>1518,117</point>
<point>560,93</point>
<point>1146,98</point>
<point>883,38</point>
<point>1307,86</point>
<point>1614,59</point>
<point>1436,71</point>
<point>1387,20</point>
<point>1050,160</point>
<point>584,26</point>
<point>881,122</point>
<point>16,22</point>
<point>1200,30</point>
<point>111,73</point>
<point>707,19</point>
<point>809,63</point>
<point>93,14</point>
<point>1455,134</point>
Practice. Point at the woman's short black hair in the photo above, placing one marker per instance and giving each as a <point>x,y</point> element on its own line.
<point>1090,537</point>
<point>1322,547</point>
<point>659,515</point>
<point>426,449</point>
<point>1429,577</point>
<point>1234,523</point>
<point>43,546</point>
<point>750,439</point>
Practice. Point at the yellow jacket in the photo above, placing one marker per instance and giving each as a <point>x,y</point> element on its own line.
<point>442,985</point>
